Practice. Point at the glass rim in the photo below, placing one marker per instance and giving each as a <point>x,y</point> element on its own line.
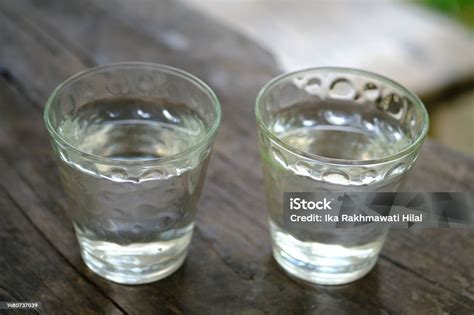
<point>343,70</point>
<point>135,64</point>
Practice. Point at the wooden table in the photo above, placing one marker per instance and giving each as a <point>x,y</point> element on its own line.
<point>230,268</point>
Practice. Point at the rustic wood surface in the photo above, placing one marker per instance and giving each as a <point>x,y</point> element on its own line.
<point>229,269</point>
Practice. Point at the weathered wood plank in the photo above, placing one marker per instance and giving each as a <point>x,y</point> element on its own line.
<point>32,270</point>
<point>19,50</point>
<point>193,287</point>
<point>230,267</point>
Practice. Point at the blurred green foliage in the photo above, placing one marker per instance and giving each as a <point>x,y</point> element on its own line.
<point>462,10</point>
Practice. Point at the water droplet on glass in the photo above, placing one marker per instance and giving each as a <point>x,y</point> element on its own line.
<point>336,177</point>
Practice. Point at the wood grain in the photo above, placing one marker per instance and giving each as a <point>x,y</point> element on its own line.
<point>229,268</point>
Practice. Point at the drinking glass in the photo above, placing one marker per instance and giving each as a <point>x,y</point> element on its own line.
<point>132,142</point>
<point>334,130</point>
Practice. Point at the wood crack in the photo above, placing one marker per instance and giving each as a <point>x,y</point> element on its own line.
<point>245,274</point>
<point>421,276</point>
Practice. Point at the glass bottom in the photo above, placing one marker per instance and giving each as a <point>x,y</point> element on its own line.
<point>326,264</point>
<point>136,263</point>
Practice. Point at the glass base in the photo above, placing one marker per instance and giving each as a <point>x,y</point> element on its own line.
<point>314,274</point>
<point>318,261</point>
<point>135,263</point>
<point>134,275</point>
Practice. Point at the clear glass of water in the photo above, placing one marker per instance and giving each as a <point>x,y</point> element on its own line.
<point>334,130</point>
<point>132,142</point>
